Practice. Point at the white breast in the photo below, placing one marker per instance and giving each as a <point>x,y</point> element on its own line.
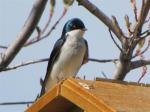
<point>69,60</point>
<point>71,57</point>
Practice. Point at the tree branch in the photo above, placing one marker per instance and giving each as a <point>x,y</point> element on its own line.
<point>17,103</point>
<point>24,34</point>
<point>142,52</point>
<point>124,65</point>
<point>101,16</point>
<point>25,64</point>
<point>39,31</point>
<point>145,34</point>
<point>139,63</point>
<point>115,41</point>
<point>102,61</point>
<point>35,40</point>
<point>142,17</point>
<point>46,59</point>
<point>128,24</point>
<point>3,47</point>
<point>133,4</point>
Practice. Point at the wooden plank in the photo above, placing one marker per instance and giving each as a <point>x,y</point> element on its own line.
<point>44,100</point>
<point>124,97</point>
<point>82,98</point>
<point>104,96</point>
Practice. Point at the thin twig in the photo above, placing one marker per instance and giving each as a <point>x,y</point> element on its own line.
<point>145,49</point>
<point>40,32</point>
<point>141,53</point>
<point>17,103</point>
<point>102,61</point>
<point>3,47</point>
<point>104,75</point>
<point>25,64</point>
<point>35,40</point>
<point>101,16</point>
<point>133,3</point>
<point>116,25</point>
<point>46,59</point>
<point>144,71</point>
<point>115,41</point>
<point>146,34</point>
<point>128,24</point>
<point>54,26</point>
<point>48,23</point>
<point>142,16</point>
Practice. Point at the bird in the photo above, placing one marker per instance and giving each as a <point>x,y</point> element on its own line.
<point>69,53</point>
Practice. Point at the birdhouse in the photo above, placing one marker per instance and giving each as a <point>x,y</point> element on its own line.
<point>74,95</point>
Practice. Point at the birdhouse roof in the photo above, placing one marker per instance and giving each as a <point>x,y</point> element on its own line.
<point>94,96</point>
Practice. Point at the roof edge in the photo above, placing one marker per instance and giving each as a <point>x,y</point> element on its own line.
<point>44,99</point>
<point>122,82</point>
<point>71,88</point>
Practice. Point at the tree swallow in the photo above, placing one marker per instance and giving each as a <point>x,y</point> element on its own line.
<point>69,53</point>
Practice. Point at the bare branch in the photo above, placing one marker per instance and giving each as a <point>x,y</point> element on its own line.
<point>25,64</point>
<point>135,41</point>
<point>145,34</point>
<point>3,47</point>
<point>57,22</point>
<point>40,32</point>
<point>17,103</point>
<point>35,40</point>
<point>142,17</point>
<point>48,22</point>
<point>144,71</point>
<point>116,25</point>
<point>101,16</point>
<point>127,21</point>
<point>133,4</point>
<point>115,41</point>
<point>128,24</point>
<point>104,75</point>
<point>46,59</point>
<point>139,63</point>
<point>24,34</point>
<point>141,53</point>
<point>102,61</point>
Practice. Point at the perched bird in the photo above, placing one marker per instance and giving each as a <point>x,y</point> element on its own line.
<point>69,53</point>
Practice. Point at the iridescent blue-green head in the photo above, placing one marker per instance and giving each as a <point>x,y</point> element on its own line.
<point>73,24</point>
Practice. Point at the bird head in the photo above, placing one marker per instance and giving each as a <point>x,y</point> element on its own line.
<point>74,25</point>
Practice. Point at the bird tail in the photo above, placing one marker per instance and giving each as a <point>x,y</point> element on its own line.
<point>47,86</point>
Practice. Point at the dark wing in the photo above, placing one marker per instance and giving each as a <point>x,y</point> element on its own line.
<point>53,57</point>
<point>86,56</point>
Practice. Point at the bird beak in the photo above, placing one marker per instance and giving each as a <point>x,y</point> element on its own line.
<point>84,29</point>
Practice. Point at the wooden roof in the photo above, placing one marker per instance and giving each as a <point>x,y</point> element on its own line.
<point>94,96</point>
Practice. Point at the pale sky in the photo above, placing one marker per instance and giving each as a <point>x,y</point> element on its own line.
<point>23,84</point>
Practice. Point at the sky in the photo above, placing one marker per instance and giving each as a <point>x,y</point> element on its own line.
<point>23,84</point>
